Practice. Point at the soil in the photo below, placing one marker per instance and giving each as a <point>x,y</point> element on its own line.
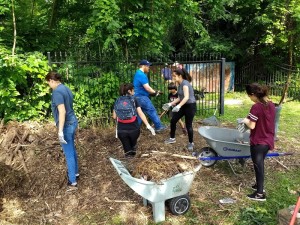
<point>33,177</point>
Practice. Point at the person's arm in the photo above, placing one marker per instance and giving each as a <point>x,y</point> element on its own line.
<point>142,116</point>
<point>114,115</point>
<point>185,94</point>
<point>173,103</point>
<point>149,89</point>
<point>61,117</point>
<point>249,123</point>
<point>144,119</point>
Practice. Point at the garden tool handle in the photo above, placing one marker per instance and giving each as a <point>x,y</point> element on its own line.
<point>292,222</point>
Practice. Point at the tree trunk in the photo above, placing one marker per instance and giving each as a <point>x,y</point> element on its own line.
<point>55,6</point>
<point>289,27</point>
<point>288,79</point>
<point>15,27</point>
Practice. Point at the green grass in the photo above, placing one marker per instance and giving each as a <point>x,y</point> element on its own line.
<point>281,184</point>
<point>288,128</point>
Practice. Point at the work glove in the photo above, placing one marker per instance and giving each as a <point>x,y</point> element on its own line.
<point>61,138</point>
<point>166,106</point>
<point>151,129</point>
<point>241,127</point>
<point>176,108</point>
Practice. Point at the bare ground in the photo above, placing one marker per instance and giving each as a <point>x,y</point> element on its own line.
<point>33,177</point>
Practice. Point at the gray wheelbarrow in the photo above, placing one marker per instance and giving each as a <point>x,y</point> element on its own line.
<point>225,144</point>
<point>174,189</point>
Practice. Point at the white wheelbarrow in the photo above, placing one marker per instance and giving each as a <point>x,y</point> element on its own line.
<point>174,189</point>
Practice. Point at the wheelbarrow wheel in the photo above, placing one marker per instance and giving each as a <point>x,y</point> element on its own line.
<point>207,152</point>
<point>180,205</point>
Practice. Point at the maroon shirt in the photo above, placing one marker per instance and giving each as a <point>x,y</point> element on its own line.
<point>264,131</point>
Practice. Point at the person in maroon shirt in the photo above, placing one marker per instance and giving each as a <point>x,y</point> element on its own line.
<point>261,122</point>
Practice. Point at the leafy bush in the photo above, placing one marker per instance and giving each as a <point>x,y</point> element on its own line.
<point>93,95</point>
<point>23,92</point>
<point>254,216</point>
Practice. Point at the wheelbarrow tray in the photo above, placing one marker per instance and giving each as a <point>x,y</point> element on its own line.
<point>157,193</point>
<point>226,144</point>
<point>226,141</point>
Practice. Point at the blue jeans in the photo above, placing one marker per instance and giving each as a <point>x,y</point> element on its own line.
<point>69,148</point>
<point>148,108</point>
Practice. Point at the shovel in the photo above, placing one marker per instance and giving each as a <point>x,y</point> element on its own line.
<point>163,113</point>
<point>212,121</point>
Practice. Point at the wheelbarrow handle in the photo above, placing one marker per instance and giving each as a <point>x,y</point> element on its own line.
<point>272,154</point>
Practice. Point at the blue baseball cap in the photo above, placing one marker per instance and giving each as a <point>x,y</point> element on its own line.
<point>145,62</point>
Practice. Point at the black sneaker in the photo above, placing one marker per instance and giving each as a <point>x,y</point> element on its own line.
<point>254,187</point>
<point>257,197</point>
<point>130,154</point>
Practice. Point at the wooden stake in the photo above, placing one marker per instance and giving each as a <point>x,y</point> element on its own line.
<point>175,155</point>
<point>118,201</point>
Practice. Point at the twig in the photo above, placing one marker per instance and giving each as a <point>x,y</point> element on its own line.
<point>118,201</point>
<point>23,163</point>
<point>48,206</point>
<point>282,164</point>
<point>175,155</point>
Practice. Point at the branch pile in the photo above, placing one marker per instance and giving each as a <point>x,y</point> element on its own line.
<point>20,141</point>
<point>158,166</point>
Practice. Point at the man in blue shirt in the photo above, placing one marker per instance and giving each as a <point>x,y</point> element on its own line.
<point>142,91</point>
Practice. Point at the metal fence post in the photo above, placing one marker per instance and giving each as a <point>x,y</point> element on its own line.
<point>49,59</point>
<point>222,86</point>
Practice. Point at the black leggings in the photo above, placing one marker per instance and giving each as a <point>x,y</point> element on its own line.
<point>258,155</point>
<point>187,110</point>
<point>129,140</point>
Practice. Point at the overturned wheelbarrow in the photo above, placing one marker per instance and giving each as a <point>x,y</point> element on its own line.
<point>174,189</point>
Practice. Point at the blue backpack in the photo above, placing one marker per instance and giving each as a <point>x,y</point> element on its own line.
<point>125,107</point>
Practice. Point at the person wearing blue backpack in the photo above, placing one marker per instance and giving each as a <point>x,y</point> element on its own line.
<point>142,93</point>
<point>125,112</point>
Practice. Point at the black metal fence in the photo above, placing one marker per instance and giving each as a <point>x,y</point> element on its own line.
<point>97,77</point>
<point>273,75</point>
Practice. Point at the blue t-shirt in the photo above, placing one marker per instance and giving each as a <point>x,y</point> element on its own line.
<point>62,95</point>
<point>139,79</point>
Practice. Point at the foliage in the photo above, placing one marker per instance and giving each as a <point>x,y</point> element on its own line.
<point>238,29</point>
<point>254,216</point>
<point>93,96</point>
<point>23,92</point>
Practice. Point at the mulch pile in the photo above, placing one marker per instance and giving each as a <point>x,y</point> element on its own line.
<point>32,168</point>
<point>33,175</point>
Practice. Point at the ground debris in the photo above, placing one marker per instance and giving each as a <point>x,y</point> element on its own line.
<point>102,194</point>
<point>157,167</point>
